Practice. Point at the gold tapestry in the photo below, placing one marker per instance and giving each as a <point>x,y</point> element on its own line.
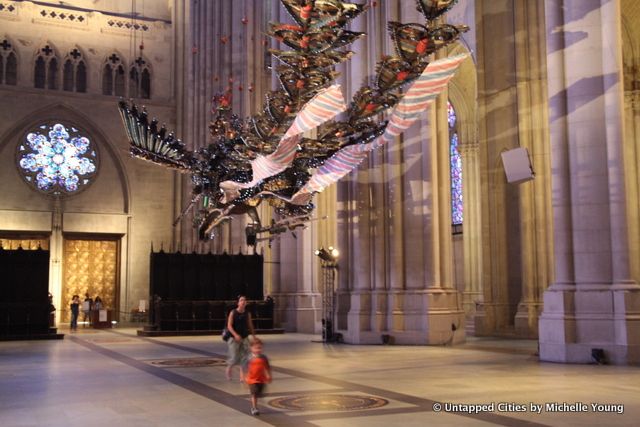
<point>90,266</point>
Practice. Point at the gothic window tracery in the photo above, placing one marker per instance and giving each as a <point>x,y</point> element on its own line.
<point>140,79</point>
<point>113,76</point>
<point>8,63</point>
<point>46,69</point>
<point>56,158</point>
<point>74,72</point>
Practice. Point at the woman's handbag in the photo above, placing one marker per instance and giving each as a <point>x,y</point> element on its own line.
<point>226,334</point>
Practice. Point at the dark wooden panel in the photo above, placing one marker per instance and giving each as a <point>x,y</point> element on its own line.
<point>24,290</point>
<point>205,277</point>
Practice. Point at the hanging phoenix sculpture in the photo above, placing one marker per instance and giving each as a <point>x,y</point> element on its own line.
<point>265,158</point>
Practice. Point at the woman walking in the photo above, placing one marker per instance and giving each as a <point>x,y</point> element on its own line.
<point>240,325</point>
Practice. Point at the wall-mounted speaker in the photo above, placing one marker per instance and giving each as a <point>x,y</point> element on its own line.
<point>517,165</point>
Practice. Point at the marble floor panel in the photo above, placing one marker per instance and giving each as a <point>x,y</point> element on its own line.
<point>113,377</point>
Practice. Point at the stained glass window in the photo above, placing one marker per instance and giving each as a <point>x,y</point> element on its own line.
<point>55,158</point>
<point>456,167</point>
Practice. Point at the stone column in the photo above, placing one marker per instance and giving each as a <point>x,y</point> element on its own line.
<point>445,315</point>
<point>399,275</point>
<point>218,48</point>
<point>296,289</point>
<point>472,249</point>
<point>359,214</point>
<point>516,218</point>
<point>295,275</point>
<point>498,131</point>
<point>632,173</point>
<point>179,16</point>
<point>56,250</point>
<point>535,196</point>
<point>594,302</point>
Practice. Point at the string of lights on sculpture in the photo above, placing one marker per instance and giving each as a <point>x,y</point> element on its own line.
<point>264,157</point>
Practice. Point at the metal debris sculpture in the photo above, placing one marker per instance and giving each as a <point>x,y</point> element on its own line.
<point>266,158</point>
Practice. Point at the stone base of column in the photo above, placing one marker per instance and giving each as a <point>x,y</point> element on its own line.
<point>492,319</point>
<point>298,312</point>
<point>470,300</point>
<point>582,353</point>
<point>526,320</point>
<point>577,321</point>
<point>427,317</point>
<point>343,306</point>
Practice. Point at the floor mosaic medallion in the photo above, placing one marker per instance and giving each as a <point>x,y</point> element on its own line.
<point>328,402</point>
<point>191,362</point>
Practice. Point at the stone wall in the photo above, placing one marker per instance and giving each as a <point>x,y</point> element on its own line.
<point>128,198</point>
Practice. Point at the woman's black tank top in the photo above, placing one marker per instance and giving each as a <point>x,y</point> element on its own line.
<point>240,323</point>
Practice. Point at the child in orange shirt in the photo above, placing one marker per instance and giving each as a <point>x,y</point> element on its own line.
<point>258,373</point>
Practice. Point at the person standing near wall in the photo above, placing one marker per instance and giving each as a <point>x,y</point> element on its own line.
<point>240,325</point>
<point>75,311</point>
<point>87,305</point>
<point>52,312</point>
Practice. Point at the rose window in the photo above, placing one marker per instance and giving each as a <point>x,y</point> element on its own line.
<point>57,159</point>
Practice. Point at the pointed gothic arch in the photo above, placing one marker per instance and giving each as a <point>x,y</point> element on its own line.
<point>462,91</point>
<point>113,75</point>
<point>46,67</point>
<point>140,75</point>
<point>74,71</point>
<point>8,62</point>
<point>65,112</point>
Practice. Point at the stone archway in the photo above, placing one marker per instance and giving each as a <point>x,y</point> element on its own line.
<point>462,93</point>
<point>28,211</point>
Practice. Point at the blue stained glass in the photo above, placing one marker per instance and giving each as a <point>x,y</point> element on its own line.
<point>57,162</point>
<point>456,168</point>
<point>451,115</point>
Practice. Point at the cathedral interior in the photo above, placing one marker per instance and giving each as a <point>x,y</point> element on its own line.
<point>169,155</point>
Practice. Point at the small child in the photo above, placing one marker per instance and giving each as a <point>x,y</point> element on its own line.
<point>258,373</point>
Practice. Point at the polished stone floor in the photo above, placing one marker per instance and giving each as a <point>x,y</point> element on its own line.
<point>114,378</point>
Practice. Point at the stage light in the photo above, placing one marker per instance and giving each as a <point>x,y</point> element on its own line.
<point>334,252</point>
<point>330,255</point>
